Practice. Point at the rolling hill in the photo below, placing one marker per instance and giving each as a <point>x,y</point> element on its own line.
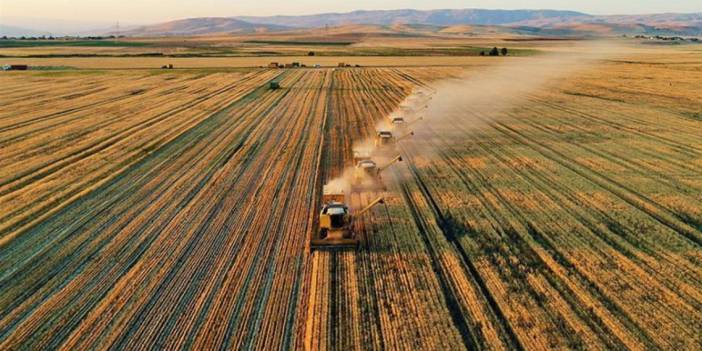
<point>529,22</point>
<point>13,31</point>
<point>203,26</point>
<point>408,16</point>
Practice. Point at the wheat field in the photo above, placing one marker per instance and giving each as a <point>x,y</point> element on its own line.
<point>174,208</point>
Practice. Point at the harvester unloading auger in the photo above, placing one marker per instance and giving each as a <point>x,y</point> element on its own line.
<point>336,231</point>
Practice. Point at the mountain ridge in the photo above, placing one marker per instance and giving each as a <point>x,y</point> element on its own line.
<point>203,26</point>
<point>412,16</point>
<point>519,22</point>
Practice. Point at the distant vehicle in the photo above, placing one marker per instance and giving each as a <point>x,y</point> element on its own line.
<point>15,67</point>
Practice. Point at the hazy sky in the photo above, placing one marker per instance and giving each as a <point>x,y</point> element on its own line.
<point>144,11</point>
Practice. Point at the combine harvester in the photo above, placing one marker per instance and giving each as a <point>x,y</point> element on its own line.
<point>336,223</point>
<point>399,123</point>
<point>367,175</point>
<point>385,140</point>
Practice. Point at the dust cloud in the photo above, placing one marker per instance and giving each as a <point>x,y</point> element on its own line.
<point>455,106</point>
<point>449,109</point>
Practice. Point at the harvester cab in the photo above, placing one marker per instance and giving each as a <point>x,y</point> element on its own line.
<point>336,223</point>
<point>398,122</point>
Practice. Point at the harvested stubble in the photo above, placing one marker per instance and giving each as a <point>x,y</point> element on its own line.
<point>172,210</point>
<point>578,228</point>
<point>562,221</point>
<point>167,210</point>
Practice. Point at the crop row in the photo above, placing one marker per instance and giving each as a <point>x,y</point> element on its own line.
<point>580,239</point>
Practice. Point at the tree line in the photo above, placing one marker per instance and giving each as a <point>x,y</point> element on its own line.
<point>495,52</point>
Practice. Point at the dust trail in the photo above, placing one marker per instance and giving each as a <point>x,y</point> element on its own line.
<point>442,114</point>
<point>451,107</point>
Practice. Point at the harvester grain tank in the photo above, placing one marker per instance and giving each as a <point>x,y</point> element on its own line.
<point>359,156</point>
<point>336,222</point>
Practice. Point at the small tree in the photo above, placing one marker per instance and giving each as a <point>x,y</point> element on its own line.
<point>311,53</point>
<point>482,53</point>
<point>504,51</point>
<point>494,52</point>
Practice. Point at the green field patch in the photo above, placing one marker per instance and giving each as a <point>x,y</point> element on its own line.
<point>576,93</point>
<point>70,43</point>
<point>68,72</point>
<point>694,115</point>
<point>452,51</point>
<point>52,68</point>
<point>297,43</point>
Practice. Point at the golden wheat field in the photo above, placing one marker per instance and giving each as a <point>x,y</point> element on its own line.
<point>173,208</point>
